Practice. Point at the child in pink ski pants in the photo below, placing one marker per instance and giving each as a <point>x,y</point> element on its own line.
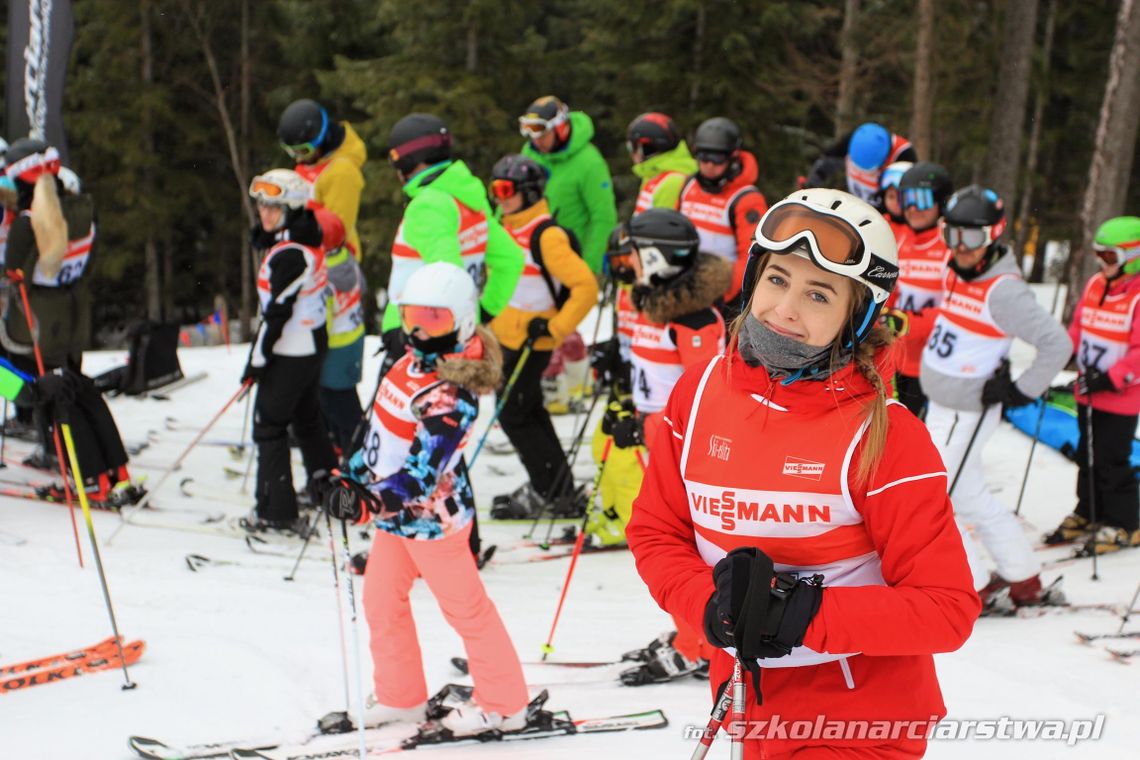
<point>448,568</point>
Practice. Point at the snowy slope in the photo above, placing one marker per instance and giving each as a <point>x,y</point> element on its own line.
<point>235,650</point>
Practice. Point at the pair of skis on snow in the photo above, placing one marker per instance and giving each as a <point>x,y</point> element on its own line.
<point>57,667</point>
<point>1116,640</point>
<point>380,740</point>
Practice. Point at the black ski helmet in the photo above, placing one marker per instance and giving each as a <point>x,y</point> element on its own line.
<point>975,206</point>
<point>619,250</point>
<point>524,173</point>
<point>303,123</point>
<point>926,185</point>
<point>719,135</point>
<point>666,243</point>
<point>653,133</point>
<point>418,138</point>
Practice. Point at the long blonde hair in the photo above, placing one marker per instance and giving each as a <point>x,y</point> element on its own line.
<point>878,337</point>
<point>48,226</point>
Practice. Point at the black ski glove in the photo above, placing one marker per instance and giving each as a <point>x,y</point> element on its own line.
<point>56,388</point>
<point>1000,389</point>
<point>345,499</point>
<point>605,359</point>
<point>252,373</point>
<point>395,345</point>
<point>1092,380</point>
<point>621,422</point>
<point>539,327</point>
<point>758,611</point>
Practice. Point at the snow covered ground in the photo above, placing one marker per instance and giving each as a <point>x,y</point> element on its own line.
<point>235,650</point>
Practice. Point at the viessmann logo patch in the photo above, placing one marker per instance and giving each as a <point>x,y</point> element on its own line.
<point>803,468</point>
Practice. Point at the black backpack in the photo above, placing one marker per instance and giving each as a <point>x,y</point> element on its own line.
<point>560,293</point>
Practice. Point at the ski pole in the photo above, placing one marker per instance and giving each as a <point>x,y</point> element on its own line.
<point>1128,612</point>
<point>245,422</point>
<point>1032,448</point>
<point>567,469</point>
<point>355,637</point>
<point>502,400</point>
<point>78,475</point>
<point>309,530</point>
<point>548,647</point>
<point>339,613</point>
<point>18,278</point>
<point>1089,456</point>
<point>125,515</point>
<point>966,453</point>
<point>716,719</point>
<point>738,728</point>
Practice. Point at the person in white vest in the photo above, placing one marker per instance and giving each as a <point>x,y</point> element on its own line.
<point>965,373</point>
<point>287,352</point>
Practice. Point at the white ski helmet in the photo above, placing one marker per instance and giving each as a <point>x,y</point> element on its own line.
<point>281,187</point>
<point>892,174</point>
<point>444,285</point>
<point>841,234</point>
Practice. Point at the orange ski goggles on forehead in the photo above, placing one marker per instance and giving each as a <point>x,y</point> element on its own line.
<point>262,190</point>
<point>434,321</point>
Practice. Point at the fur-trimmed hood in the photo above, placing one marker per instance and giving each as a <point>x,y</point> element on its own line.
<point>479,368</point>
<point>696,289</point>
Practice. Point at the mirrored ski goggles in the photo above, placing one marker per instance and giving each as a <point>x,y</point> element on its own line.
<point>891,178</point>
<point>503,188</point>
<point>531,126</point>
<point>967,237</point>
<point>434,321</point>
<point>833,244</point>
<point>712,157</point>
<point>921,198</point>
<point>261,190</point>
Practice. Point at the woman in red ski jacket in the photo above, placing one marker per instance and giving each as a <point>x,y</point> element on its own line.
<point>800,518</point>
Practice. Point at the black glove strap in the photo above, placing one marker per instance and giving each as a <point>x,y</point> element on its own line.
<point>746,632</point>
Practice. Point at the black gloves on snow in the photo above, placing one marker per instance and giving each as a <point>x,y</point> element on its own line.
<point>621,422</point>
<point>539,327</point>
<point>758,611</point>
<point>1092,380</point>
<point>1000,389</point>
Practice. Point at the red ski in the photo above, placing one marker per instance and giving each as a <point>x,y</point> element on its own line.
<point>106,660</point>
<point>63,657</point>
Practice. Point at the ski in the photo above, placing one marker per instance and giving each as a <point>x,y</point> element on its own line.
<point>152,749</point>
<point>1088,638</point>
<point>69,656</point>
<point>1122,655</point>
<point>460,664</point>
<point>1060,609</point>
<point>553,555</point>
<point>106,660</point>
<point>162,392</point>
<point>189,487</point>
<point>542,724</point>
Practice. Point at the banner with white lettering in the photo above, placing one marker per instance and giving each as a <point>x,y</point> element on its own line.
<point>39,46</point>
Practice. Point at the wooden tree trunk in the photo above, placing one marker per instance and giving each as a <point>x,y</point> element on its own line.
<point>1004,154</point>
<point>245,314</point>
<point>698,54</point>
<point>848,70</point>
<point>922,116</point>
<point>152,283</point>
<point>472,44</point>
<point>1024,215</point>
<point>1116,129</point>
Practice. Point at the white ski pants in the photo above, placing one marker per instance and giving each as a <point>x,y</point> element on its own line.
<point>993,524</point>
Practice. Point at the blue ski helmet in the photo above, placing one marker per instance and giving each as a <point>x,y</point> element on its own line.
<point>870,145</point>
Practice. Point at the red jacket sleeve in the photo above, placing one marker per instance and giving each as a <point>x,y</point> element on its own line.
<point>749,208</point>
<point>660,531</point>
<point>929,604</point>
